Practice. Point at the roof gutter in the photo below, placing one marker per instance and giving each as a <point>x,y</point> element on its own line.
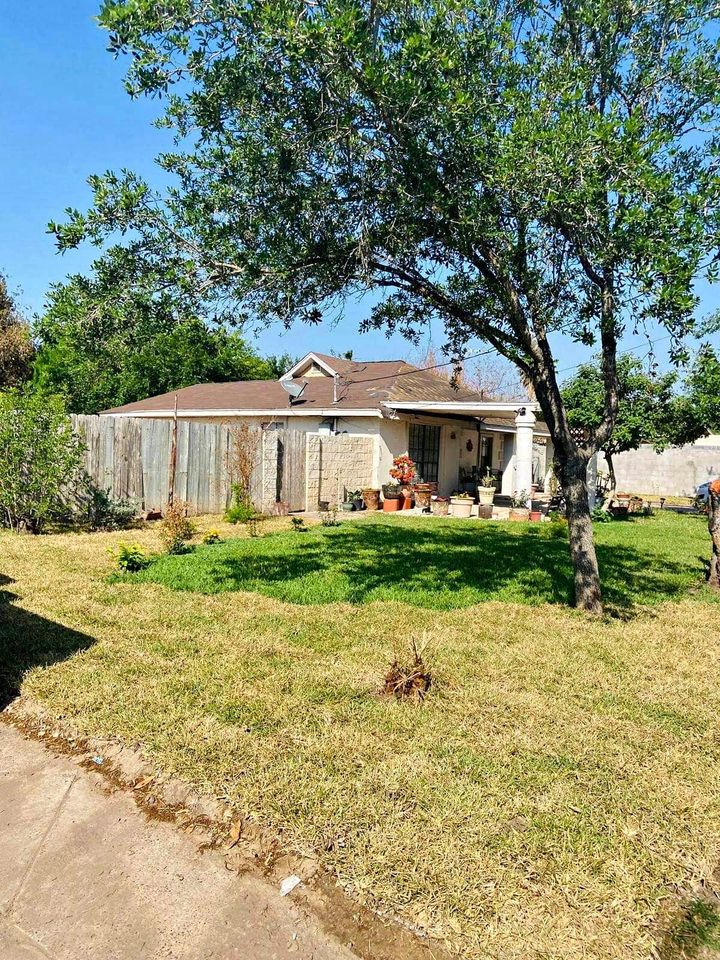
<point>215,414</point>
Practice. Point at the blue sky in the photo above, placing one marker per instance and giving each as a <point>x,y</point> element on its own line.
<point>64,115</point>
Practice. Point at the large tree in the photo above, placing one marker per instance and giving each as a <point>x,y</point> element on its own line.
<point>645,413</point>
<point>515,169</point>
<point>106,339</point>
<point>17,350</point>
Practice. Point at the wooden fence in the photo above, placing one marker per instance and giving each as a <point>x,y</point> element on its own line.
<point>130,457</point>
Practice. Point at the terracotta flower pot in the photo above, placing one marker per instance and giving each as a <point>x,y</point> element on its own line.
<point>391,506</point>
<point>520,514</point>
<point>440,507</point>
<point>422,497</point>
<point>535,516</point>
<point>461,506</point>
<point>407,503</point>
<point>371,496</point>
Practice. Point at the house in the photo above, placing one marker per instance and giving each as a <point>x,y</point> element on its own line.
<point>357,415</point>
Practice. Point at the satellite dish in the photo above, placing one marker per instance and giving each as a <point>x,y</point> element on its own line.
<point>293,388</point>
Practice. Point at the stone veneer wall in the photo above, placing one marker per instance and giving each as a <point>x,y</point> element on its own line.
<point>337,463</point>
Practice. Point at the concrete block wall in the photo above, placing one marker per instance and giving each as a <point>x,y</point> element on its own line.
<point>337,463</point>
<point>676,472</point>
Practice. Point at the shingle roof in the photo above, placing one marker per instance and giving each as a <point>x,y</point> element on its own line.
<point>362,385</point>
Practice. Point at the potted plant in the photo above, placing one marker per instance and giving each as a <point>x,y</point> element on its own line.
<point>520,509</point>
<point>403,472</point>
<point>371,496</point>
<point>461,504</point>
<point>486,489</point>
<point>356,498</point>
<point>392,498</point>
<point>439,506</point>
<point>347,505</point>
<point>536,516</point>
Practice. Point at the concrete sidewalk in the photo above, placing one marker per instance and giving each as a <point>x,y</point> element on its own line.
<point>84,874</point>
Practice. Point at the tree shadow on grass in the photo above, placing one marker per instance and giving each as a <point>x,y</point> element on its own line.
<point>27,641</point>
<point>438,565</point>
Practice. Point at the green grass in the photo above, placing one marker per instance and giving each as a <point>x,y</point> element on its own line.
<point>444,564</point>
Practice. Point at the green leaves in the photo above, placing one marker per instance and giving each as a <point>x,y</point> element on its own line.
<point>111,339</point>
<point>511,169</point>
<point>41,461</point>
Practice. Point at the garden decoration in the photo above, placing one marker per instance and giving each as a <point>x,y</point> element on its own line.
<point>371,496</point>
<point>423,492</point>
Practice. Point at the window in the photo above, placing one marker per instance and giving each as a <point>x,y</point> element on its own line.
<point>425,450</point>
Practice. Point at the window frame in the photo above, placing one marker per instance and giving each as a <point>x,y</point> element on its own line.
<point>424,451</point>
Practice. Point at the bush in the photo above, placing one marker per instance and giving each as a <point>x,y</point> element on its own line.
<point>98,510</point>
<point>130,558</point>
<point>176,529</point>
<point>241,509</point>
<point>212,536</point>
<point>41,461</point>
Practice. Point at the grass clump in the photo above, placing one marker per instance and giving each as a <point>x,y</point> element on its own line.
<point>408,681</point>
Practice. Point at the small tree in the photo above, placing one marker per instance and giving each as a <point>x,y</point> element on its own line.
<point>242,460</point>
<point>17,351</point>
<point>644,403</point>
<point>41,459</point>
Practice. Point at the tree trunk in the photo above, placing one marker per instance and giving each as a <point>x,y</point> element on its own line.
<point>610,492</point>
<point>714,528</point>
<point>588,595</point>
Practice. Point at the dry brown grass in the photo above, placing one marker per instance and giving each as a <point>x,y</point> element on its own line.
<point>559,781</point>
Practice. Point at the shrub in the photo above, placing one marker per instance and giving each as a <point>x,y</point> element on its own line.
<point>98,510</point>
<point>329,518</point>
<point>130,558</point>
<point>298,524</point>
<point>212,536</point>
<point>241,509</point>
<point>601,516</point>
<point>41,461</point>
<point>176,529</point>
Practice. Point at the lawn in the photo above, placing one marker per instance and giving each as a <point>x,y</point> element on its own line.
<point>444,565</point>
<point>556,787</point>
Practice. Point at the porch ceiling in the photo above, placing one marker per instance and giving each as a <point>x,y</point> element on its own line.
<point>500,415</point>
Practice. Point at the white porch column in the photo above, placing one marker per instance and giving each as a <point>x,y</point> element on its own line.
<point>524,424</point>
